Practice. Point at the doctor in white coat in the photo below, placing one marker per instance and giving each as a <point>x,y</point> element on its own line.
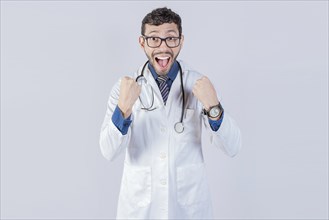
<point>164,171</point>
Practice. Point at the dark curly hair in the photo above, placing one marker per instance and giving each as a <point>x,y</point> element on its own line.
<point>160,16</point>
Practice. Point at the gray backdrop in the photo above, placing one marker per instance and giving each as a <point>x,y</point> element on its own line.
<point>267,59</point>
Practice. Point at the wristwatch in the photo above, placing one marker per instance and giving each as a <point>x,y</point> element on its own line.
<point>214,111</point>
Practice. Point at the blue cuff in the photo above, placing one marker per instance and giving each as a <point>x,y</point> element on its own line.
<point>120,122</point>
<point>215,124</point>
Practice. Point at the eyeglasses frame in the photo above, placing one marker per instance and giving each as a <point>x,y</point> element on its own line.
<point>162,39</point>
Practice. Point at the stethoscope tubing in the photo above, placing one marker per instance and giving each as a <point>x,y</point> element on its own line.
<point>181,83</point>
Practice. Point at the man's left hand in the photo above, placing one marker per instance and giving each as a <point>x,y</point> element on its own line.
<point>205,92</point>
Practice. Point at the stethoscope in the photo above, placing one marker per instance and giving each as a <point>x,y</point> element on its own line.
<point>179,127</point>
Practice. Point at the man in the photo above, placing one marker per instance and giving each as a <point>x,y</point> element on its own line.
<point>164,173</point>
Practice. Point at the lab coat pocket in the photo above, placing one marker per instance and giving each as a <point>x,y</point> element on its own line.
<point>192,187</point>
<point>136,186</point>
<point>188,114</point>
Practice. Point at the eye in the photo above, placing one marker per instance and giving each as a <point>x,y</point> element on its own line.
<point>154,39</point>
<point>170,39</point>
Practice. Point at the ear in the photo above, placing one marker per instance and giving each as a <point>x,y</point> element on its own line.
<point>182,40</point>
<point>141,42</point>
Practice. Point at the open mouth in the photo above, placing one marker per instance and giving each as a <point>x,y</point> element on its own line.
<point>162,61</point>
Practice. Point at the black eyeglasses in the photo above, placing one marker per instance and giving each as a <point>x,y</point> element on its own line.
<point>155,42</point>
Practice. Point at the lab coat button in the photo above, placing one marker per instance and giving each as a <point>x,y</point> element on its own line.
<point>141,203</point>
<point>163,182</point>
<point>163,155</point>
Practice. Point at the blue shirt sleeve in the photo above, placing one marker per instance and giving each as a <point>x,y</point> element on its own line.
<point>215,124</point>
<point>120,122</point>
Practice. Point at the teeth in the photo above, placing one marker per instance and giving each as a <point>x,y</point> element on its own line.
<point>163,58</point>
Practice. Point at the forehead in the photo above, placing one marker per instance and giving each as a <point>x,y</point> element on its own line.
<point>162,29</point>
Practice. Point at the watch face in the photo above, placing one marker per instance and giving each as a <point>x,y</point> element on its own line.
<point>214,112</point>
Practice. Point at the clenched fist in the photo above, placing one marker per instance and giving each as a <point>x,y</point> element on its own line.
<point>205,92</point>
<point>129,92</point>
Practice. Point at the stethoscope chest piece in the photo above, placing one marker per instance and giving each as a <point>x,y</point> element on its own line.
<point>179,127</point>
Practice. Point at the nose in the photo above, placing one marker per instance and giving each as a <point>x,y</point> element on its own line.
<point>163,44</point>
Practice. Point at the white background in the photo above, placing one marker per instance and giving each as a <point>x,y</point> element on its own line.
<point>267,59</point>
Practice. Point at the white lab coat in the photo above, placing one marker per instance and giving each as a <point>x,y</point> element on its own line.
<point>164,172</point>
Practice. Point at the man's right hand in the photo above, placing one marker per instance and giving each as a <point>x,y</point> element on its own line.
<point>129,92</point>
